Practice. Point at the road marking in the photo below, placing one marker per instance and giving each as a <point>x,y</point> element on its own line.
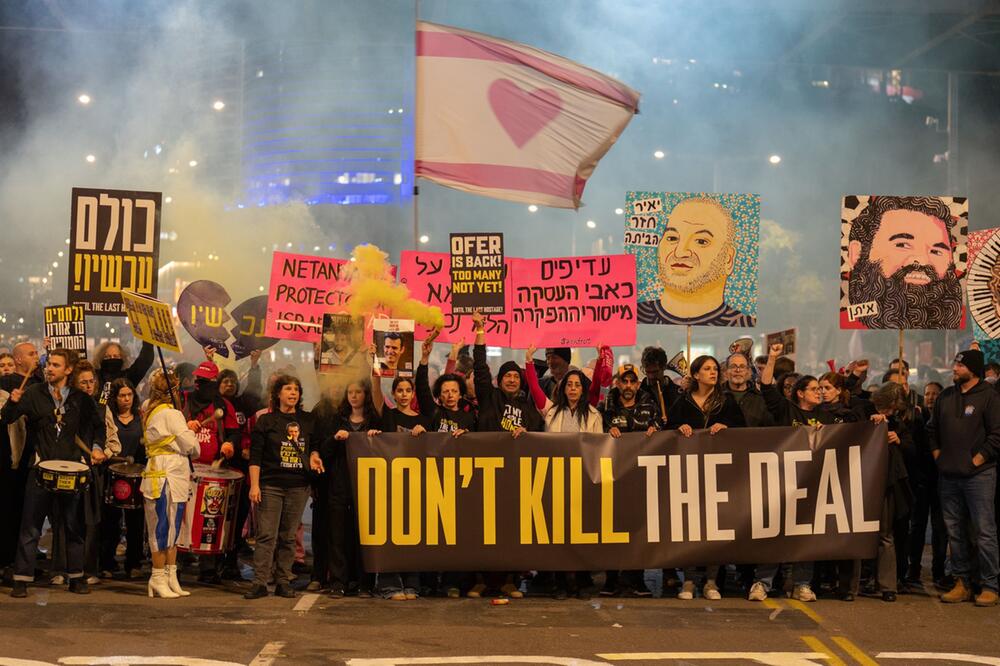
<point>775,607</point>
<point>798,605</point>
<point>768,658</point>
<point>268,654</point>
<point>940,656</point>
<point>487,659</point>
<point>306,602</point>
<point>856,653</point>
<point>819,646</point>
<point>129,660</point>
<point>10,661</point>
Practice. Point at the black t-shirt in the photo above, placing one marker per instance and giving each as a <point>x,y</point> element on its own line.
<point>394,420</point>
<point>279,445</point>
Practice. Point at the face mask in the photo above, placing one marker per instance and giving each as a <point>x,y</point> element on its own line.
<point>112,365</point>
<point>207,391</point>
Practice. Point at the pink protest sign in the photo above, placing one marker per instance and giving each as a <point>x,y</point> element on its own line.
<point>427,276</point>
<point>573,301</point>
<point>304,288</point>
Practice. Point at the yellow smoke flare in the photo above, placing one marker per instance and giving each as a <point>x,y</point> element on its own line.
<point>373,287</point>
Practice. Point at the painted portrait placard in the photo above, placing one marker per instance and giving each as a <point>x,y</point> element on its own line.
<point>903,262</point>
<point>696,257</point>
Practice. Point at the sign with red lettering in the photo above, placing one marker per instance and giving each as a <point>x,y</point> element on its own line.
<point>303,288</point>
<point>427,276</point>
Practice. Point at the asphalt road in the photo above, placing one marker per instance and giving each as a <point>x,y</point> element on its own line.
<point>118,624</point>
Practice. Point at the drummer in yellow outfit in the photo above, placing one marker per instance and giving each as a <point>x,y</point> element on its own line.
<point>166,483</point>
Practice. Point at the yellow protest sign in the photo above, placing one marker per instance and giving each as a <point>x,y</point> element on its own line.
<point>151,321</point>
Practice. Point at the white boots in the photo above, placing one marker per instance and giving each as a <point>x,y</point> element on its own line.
<point>159,585</point>
<point>175,585</point>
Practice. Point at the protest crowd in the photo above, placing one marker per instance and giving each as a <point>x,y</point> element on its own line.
<point>109,452</point>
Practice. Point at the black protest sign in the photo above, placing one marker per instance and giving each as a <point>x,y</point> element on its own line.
<point>477,273</point>
<point>65,328</point>
<point>114,246</point>
<point>587,502</point>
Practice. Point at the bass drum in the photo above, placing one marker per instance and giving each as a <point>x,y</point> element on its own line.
<point>210,518</point>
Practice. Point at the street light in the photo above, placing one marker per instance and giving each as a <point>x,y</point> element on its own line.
<point>219,105</point>
<point>425,239</point>
<point>532,208</point>
<point>591,224</point>
<point>659,154</point>
<point>84,99</point>
<point>774,159</point>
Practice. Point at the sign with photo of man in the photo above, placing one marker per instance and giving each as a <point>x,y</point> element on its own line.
<point>696,257</point>
<point>393,340</point>
<point>903,262</point>
<point>342,345</point>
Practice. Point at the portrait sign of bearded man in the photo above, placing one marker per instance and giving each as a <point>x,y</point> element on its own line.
<point>695,262</point>
<point>904,265</point>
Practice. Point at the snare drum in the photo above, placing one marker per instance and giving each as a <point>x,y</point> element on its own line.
<point>62,476</point>
<point>210,516</point>
<point>122,489</point>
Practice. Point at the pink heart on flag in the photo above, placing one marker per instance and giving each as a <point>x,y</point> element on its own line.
<point>522,114</point>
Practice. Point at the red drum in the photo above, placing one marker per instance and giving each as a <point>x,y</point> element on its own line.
<point>210,519</point>
<point>122,489</point>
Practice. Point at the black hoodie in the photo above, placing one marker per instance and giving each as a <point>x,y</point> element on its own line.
<point>964,424</point>
<point>643,414</point>
<point>497,412</point>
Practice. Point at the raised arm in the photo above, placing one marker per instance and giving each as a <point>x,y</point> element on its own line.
<point>602,373</point>
<point>143,362</point>
<point>376,378</point>
<point>480,369</point>
<point>767,374</point>
<point>424,397</point>
<point>531,377</point>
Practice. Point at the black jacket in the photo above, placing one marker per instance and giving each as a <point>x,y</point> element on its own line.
<point>670,392</point>
<point>964,424</point>
<point>79,418</point>
<point>752,405</point>
<point>283,461</point>
<point>637,418</point>
<point>497,412</point>
<point>685,411</point>
<point>787,413</point>
<point>440,419</point>
<point>135,373</point>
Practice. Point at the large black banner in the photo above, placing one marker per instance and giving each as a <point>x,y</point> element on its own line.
<point>486,501</point>
<point>114,246</point>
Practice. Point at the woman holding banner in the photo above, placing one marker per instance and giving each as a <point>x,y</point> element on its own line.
<point>802,409</point>
<point>705,407</point>
<point>570,413</point>
<point>356,412</point>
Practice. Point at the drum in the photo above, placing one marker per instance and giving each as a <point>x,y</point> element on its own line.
<point>62,476</point>
<point>210,519</point>
<point>122,489</point>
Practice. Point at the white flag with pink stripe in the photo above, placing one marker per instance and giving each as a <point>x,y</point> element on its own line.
<point>509,121</point>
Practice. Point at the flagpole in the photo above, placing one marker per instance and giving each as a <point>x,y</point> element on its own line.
<point>413,127</point>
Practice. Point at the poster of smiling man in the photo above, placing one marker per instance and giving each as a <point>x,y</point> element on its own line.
<point>696,257</point>
<point>903,262</point>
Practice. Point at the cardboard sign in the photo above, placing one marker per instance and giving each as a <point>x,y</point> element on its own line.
<point>303,288</point>
<point>393,340</point>
<point>65,328</point>
<point>427,277</point>
<point>903,261</point>
<point>342,346</point>
<point>114,246</point>
<point>787,338</point>
<point>477,274</point>
<point>696,257</point>
<point>150,320</point>
<point>573,301</point>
